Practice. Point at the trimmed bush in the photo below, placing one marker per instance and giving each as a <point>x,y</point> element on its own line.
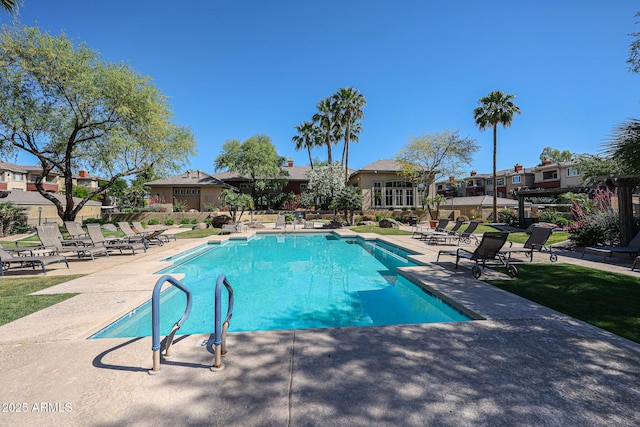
<point>154,221</point>
<point>169,221</point>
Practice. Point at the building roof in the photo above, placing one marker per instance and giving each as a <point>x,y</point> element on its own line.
<point>191,178</point>
<point>19,168</point>
<point>35,198</point>
<point>296,173</point>
<point>383,165</point>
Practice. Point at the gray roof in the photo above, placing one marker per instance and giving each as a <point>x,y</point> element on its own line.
<point>19,168</point>
<point>296,173</point>
<point>191,178</point>
<point>383,165</point>
<point>35,198</point>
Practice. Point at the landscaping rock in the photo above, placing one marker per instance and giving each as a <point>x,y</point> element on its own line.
<point>389,223</point>
<point>367,223</point>
<point>220,220</point>
<point>200,226</point>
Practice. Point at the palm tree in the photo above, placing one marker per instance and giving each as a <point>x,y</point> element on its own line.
<point>495,108</point>
<point>10,6</point>
<point>325,119</point>
<point>308,137</point>
<point>349,102</point>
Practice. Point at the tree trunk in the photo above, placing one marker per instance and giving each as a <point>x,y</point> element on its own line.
<point>495,181</point>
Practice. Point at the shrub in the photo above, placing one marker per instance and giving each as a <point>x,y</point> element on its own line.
<point>463,218</point>
<point>601,228</point>
<point>194,221</point>
<point>184,221</point>
<point>180,206</point>
<point>13,219</point>
<point>93,221</point>
<point>378,217</point>
<point>508,217</point>
<point>169,221</point>
<point>289,218</point>
<point>154,221</point>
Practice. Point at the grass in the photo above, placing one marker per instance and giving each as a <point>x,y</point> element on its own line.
<point>15,301</point>
<point>382,231</point>
<point>610,301</point>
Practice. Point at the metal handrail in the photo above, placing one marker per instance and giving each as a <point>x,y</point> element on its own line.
<point>155,319</point>
<point>220,328</point>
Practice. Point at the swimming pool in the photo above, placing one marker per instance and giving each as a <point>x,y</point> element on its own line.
<point>293,281</point>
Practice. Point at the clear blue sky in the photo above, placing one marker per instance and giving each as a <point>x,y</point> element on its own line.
<point>232,69</point>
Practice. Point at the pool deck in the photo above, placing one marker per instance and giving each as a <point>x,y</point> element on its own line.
<point>523,365</point>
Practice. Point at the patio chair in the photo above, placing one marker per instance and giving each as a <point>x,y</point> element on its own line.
<point>536,242</point>
<point>134,236</point>
<point>75,230</point>
<point>49,240</point>
<point>309,225</point>
<point>439,228</point>
<point>280,222</point>
<point>98,239</point>
<point>487,251</point>
<point>77,241</point>
<point>461,237</point>
<point>635,261</point>
<point>631,249</point>
<point>162,236</point>
<point>229,229</point>
<point>6,259</point>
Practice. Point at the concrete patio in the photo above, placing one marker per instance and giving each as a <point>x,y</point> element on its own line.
<point>523,365</point>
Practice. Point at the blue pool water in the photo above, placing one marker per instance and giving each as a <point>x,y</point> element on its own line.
<point>293,282</point>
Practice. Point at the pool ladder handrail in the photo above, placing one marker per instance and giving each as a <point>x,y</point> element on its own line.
<point>155,319</point>
<point>220,328</point>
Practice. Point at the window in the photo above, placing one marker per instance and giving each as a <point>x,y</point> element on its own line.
<point>409,195</point>
<point>515,179</point>
<point>500,182</point>
<point>245,186</point>
<point>490,181</point>
<point>388,197</point>
<point>303,187</point>
<point>18,176</point>
<point>470,183</point>
<point>550,175</point>
<point>573,171</point>
<point>440,187</point>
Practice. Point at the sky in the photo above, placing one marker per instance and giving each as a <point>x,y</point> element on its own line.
<point>233,69</point>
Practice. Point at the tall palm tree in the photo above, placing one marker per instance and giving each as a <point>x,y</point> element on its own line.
<point>325,119</point>
<point>349,102</point>
<point>308,137</point>
<point>10,6</point>
<point>495,108</point>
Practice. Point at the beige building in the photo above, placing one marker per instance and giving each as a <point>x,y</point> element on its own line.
<point>22,178</point>
<point>383,188</point>
<point>40,210</point>
<point>198,190</point>
<point>557,174</point>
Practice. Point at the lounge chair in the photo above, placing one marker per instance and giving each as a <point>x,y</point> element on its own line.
<point>280,222</point>
<point>6,259</point>
<point>74,241</point>
<point>536,242</point>
<point>229,229</point>
<point>138,228</point>
<point>488,250</point>
<point>98,239</point>
<point>439,228</point>
<point>52,243</point>
<point>75,230</point>
<point>631,249</point>
<point>461,237</point>
<point>132,235</point>
<point>635,261</point>
<point>309,225</point>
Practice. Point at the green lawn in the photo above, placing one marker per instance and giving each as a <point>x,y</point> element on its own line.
<point>610,301</point>
<point>382,231</point>
<point>15,301</point>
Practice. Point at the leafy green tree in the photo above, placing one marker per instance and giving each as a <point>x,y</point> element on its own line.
<point>556,155</point>
<point>426,158</point>
<point>72,110</point>
<point>236,201</point>
<point>624,147</point>
<point>255,159</point>
<point>308,137</point>
<point>13,218</point>
<point>494,109</point>
<point>349,199</point>
<point>349,102</point>
<point>325,182</point>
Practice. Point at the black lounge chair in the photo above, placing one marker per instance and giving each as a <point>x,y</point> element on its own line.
<point>488,250</point>
<point>461,237</point>
<point>632,249</point>
<point>439,228</point>
<point>98,239</point>
<point>536,242</point>
<point>7,259</point>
